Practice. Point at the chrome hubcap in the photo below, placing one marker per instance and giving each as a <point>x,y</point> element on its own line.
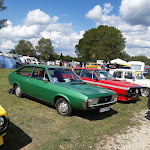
<point>18,90</point>
<point>63,107</point>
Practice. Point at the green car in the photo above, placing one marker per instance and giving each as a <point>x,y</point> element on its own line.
<point>61,87</point>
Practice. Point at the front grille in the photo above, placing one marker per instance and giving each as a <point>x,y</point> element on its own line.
<point>105,99</point>
<point>133,92</point>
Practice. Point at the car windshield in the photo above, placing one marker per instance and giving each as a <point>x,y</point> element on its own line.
<point>63,75</point>
<point>104,75</point>
<point>139,75</point>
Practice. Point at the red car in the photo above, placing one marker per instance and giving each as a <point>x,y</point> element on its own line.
<point>125,90</point>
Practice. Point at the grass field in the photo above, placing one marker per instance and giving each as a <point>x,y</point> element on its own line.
<point>37,126</point>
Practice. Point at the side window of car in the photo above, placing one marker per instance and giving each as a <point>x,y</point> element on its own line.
<point>25,71</point>
<point>128,75</point>
<point>78,71</point>
<point>119,74</point>
<point>115,74</point>
<point>40,74</point>
<point>94,76</point>
<point>86,74</point>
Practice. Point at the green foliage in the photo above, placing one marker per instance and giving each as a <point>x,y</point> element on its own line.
<point>2,8</point>
<point>25,48</point>
<point>45,49</point>
<point>61,56</point>
<point>102,43</point>
<point>68,58</point>
<point>12,51</point>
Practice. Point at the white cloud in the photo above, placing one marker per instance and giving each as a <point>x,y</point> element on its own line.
<point>107,8</point>
<point>95,13</point>
<point>36,17</point>
<point>137,35</point>
<point>135,11</point>
<point>37,25</point>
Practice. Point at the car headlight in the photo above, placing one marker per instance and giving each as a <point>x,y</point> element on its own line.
<point>144,92</point>
<point>1,121</point>
<point>114,97</point>
<point>92,101</point>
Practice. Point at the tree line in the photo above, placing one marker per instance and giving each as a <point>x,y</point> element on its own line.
<point>43,50</point>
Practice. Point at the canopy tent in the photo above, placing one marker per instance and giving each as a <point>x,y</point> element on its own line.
<point>8,63</point>
<point>119,61</point>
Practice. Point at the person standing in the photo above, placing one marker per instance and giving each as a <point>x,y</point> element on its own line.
<point>148,113</point>
<point>108,67</point>
<point>61,63</point>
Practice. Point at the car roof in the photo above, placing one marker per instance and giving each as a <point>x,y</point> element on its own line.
<point>45,66</point>
<point>125,70</point>
<point>89,69</point>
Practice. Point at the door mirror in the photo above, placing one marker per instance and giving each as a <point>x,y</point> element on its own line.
<point>45,79</point>
<point>133,78</point>
<point>95,79</point>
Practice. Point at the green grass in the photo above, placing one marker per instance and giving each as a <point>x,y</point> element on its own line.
<point>37,126</point>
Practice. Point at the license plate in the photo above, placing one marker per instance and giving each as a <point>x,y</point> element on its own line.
<point>104,109</point>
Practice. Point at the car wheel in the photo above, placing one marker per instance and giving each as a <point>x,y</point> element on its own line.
<point>18,92</point>
<point>63,107</point>
<point>145,92</point>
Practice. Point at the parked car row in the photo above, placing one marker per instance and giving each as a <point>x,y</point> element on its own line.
<point>132,76</point>
<point>80,88</point>
<point>125,90</point>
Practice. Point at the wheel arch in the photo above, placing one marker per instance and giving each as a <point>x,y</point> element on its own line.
<point>15,83</point>
<point>61,96</point>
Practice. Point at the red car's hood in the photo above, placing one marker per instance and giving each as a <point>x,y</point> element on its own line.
<point>120,83</point>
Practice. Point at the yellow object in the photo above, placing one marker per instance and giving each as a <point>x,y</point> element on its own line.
<point>91,65</point>
<point>137,72</point>
<point>126,65</point>
<point>1,140</point>
<point>2,113</point>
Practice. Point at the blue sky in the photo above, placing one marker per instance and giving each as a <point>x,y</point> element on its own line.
<point>65,21</point>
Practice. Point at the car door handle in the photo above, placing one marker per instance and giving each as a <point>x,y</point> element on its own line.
<point>27,79</point>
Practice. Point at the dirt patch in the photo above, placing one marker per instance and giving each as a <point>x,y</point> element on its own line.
<point>137,138</point>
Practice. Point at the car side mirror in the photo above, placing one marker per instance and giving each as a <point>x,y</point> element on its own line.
<point>133,78</point>
<point>45,79</point>
<point>95,79</point>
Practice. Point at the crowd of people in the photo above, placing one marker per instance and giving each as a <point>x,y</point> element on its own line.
<point>74,64</point>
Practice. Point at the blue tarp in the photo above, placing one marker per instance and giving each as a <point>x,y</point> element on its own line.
<point>8,63</point>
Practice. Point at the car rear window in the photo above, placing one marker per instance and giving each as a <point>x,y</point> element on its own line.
<point>25,71</point>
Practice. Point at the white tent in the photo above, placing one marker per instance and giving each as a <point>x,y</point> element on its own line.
<point>118,61</point>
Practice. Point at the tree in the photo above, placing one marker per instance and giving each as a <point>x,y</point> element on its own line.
<point>25,48</point>
<point>2,8</point>
<point>12,51</point>
<point>45,49</point>
<point>61,56</point>
<point>101,43</point>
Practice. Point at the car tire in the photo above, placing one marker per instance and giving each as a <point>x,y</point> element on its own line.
<point>18,92</point>
<point>63,107</point>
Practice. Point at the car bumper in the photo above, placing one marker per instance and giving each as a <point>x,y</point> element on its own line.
<point>85,105</point>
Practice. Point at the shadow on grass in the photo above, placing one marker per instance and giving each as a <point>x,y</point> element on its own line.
<point>94,115</point>
<point>90,115</point>
<point>15,138</point>
<point>130,101</point>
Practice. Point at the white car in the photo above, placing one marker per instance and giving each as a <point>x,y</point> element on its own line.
<point>133,76</point>
<point>50,63</point>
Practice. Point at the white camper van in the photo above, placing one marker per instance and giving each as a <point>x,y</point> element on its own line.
<point>29,60</point>
<point>137,65</point>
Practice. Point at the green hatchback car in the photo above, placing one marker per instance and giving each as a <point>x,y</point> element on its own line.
<point>60,87</point>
